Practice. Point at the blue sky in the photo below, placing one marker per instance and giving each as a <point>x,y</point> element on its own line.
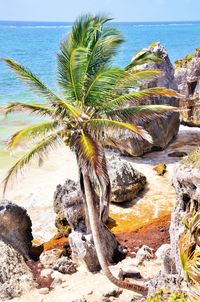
<point>121,10</point>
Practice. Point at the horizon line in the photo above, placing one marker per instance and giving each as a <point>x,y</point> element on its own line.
<point>113,21</point>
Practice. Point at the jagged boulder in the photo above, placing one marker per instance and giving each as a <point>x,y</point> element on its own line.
<point>15,276</point>
<point>166,79</point>
<point>162,130</point>
<point>186,182</point>
<point>187,77</point>
<point>15,227</point>
<point>126,182</point>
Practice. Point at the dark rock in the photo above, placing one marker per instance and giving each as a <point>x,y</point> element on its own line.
<point>15,227</point>
<point>177,154</point>
<point>15,276</point>
<point>129,274</point>
<point>113,293</point>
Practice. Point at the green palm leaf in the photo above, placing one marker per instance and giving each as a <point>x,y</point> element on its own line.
<point>102,86</point>
<point>40,150</point>
<point>31,132</point>
<point>143,57</point>
<point>72,64</point>
<point>33,108</point>
<point>102,129</point>
<point>136,78</point>
<point>141,113</point>
<point>30,79</point>
<point>140,95</point>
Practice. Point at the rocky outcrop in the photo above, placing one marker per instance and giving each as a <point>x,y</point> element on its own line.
<point>166,79</point>
<point>187,77</point>
<point>15,227</point>
<point>15,276</point>
<point>186,182</point>
<point>162,130</point>
<point>125,182</point>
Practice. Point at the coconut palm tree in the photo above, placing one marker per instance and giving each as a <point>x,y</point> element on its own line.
<point>92,107</point>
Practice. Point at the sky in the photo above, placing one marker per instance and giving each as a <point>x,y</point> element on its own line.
<point>121,10</point>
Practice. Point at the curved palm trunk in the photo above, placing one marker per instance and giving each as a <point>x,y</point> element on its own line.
<point>94,224</point>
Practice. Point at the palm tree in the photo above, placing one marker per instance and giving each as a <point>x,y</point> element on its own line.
<point>92,108</point>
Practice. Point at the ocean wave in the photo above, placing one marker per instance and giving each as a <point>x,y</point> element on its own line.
<point>162,25</point>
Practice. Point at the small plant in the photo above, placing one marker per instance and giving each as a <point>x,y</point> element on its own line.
<point>165,296</point>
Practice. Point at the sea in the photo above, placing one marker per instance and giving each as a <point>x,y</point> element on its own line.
<point>35,45</point>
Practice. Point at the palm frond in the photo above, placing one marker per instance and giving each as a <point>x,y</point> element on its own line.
<point>136,78</point>
<point>33,108</point>
<point>143,57</point>
<point>140,95</point>
<point>102,85</point>
<point>40,150</point>
<point>141,112</point>
<point>103,129</point>
<point>31,132</point>
<point>30,80</point>
<point>72,64</point>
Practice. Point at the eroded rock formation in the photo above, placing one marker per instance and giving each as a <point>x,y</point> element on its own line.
<point>15,227</point>
<point>15,276</point>
<point>187,77</point>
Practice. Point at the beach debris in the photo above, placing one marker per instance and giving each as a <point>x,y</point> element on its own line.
<point>129,274</point>
<point>144,253</point>
<point>160,169</point>
<point>43,290</point>
<point>65,265</point>
<point>177,154</point>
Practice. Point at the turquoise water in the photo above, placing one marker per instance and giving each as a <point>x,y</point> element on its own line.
<point>35,46</point>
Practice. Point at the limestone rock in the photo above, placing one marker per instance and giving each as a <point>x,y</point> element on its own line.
<point>126,182</point>
<point>65,265</point>
<point>170,282</point>
<point>161,251</point>
<point>144,253</point>
<point>166,79</point>
<point>186,182</point>
<point>187,77</point>
<point>49,258</point>
<point>162,130</point>
<point>15,227</point>
<point>15,276</point>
